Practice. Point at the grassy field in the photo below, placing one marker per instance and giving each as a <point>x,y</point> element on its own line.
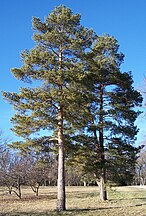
<point>81,201</point>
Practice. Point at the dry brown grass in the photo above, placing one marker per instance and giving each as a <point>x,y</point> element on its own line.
<point>81,201</point>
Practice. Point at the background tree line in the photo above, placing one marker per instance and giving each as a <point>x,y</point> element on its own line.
<point>81,99</point>
<point>18,170</point>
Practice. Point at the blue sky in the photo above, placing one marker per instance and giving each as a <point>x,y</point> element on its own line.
<point>125,20</point>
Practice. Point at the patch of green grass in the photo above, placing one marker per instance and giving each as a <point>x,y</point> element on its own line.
<point>81,201</point>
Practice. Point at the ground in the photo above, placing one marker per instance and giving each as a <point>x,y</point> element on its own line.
<point>81,201</point>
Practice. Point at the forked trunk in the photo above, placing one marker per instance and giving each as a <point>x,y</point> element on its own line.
<point>35,188</point>
<point>61,174</point>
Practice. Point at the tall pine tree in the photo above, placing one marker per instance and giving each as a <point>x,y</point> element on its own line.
<point>111,127</point>
<point>55,64</point>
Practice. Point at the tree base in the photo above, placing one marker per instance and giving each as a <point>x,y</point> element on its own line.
<point>60,206</point>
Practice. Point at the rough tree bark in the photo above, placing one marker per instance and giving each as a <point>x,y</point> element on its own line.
<point>61,174</point>
<point>61,169</point>
<point>102,178</point>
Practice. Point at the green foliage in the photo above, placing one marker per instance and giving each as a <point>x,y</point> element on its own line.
<point>55,62</point>
<point>81,93</point>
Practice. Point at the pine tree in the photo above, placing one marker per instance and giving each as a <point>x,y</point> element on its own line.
<point>54,66</point>
<point>112,113</point>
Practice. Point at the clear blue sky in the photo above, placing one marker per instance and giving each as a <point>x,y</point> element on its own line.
<point>125,20</point>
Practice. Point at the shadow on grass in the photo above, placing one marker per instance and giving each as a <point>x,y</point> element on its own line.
<point>132,198</point>
<point>9,199</point>
<point>68,211</point>
<point>83,195</point>
<point>103,208</point>
<point>25,214</point>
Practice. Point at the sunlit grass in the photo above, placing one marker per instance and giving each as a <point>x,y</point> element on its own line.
<point>81,201</point>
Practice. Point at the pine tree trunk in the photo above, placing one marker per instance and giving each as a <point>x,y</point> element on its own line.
<point>102,189</point>
<point>61,174</point>
<point>102,181</point>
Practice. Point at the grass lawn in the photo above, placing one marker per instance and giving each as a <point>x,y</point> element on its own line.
<point>81,201</point>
